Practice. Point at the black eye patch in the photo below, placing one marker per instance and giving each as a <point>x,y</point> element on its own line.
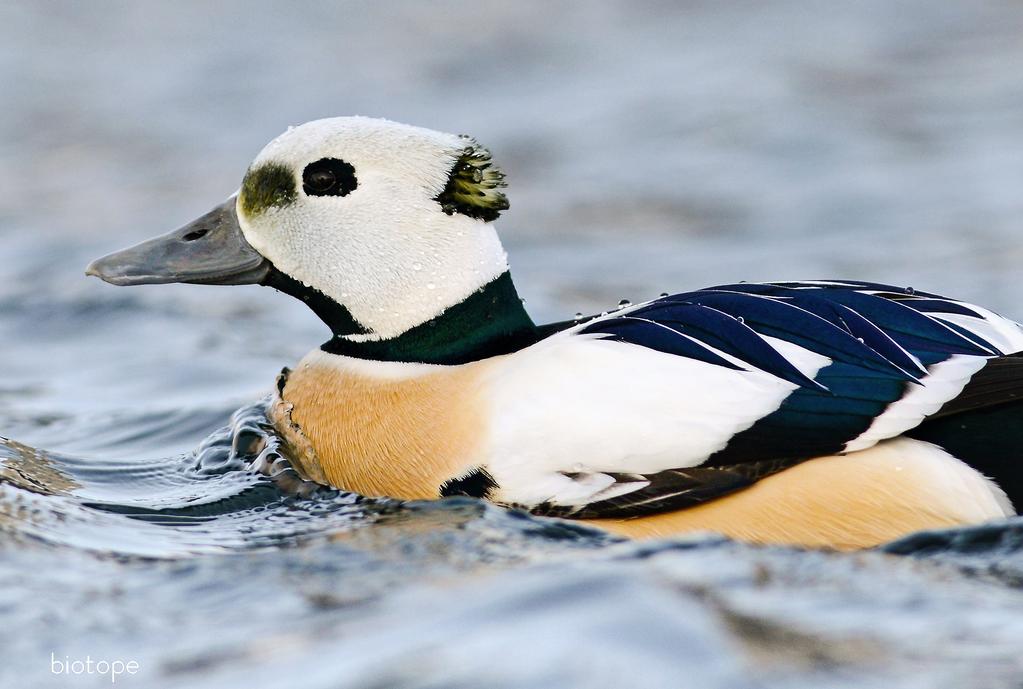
<point>329,177</point>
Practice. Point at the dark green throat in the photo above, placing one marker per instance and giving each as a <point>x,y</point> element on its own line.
<point>489,322</point>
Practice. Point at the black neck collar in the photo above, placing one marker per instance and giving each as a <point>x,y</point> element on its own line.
<point>489,322</point>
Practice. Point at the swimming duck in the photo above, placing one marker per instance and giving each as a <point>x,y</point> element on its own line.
<point>828,413</point>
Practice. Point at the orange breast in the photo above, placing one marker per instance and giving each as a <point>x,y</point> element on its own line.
<point>400,436</point>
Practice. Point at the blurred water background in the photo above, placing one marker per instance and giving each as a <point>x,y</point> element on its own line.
<point>649,146</point>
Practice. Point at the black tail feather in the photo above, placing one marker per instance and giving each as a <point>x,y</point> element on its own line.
<point>989,439</point>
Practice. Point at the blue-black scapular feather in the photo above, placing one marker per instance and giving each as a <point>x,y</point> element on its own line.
<point>879,339</point>
<point>792,323</point>
<point>992,349</point>
<point>938,306</point>
<point>866,302</point>
<point>905,320</point>
<point>911,328</point>
<point>897,292</point>
<point>882,297</point>
<point>859,327</point>
<point>657,337</point>
<point>724,333</point>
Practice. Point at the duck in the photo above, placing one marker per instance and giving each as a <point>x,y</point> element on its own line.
<point>834,414</point>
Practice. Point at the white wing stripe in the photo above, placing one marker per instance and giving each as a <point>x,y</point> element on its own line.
<point>946,380</point>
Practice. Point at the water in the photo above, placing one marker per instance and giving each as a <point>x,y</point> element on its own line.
<point>649,147</point>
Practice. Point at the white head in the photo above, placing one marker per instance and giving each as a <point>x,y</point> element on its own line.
<point>379,227</point>
<point>390,221</point>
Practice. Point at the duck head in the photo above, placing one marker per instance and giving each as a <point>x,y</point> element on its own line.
<point>380,227</point>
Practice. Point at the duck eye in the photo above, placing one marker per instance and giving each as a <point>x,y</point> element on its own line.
<point>320,180</point>
<point>329,177</point>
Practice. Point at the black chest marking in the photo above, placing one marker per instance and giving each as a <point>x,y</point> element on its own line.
<point>478,483</point>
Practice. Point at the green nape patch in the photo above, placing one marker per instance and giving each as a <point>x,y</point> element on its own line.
<point>271,185</point>
<point>474,185</point>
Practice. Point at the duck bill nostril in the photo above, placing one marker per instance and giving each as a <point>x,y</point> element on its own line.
<point>224,257</point>
<point>195,234</point>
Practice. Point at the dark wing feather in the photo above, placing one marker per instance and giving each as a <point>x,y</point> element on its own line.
<point>999,382</point>
<point>880,339</point>
<point>670,490</point>
<point>983,425</point>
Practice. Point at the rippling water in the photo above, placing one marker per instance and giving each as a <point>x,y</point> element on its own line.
<point>145,513</point>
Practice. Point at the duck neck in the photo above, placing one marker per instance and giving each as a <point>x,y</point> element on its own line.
<point>334,315</point>
<point>489,322</point>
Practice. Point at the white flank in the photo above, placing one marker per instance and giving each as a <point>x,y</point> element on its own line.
<point>584,405</point>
